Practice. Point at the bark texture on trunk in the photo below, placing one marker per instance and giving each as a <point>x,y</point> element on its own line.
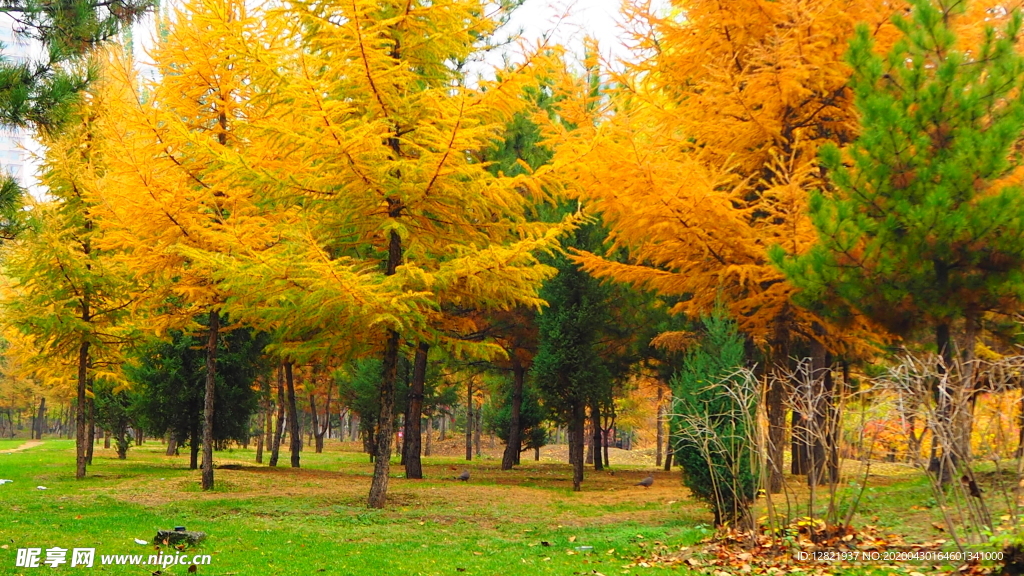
<point>660,427</point>
<point>470,423</point>
<point>385,424</point>
<point>577,422</point>
<point>514,447</point>
<point>211,382</point>
<point>413,432</point>
<point>275,445</point>
<point>597,442</point>
<point>392,339</point>
<point>40,423</point>
<point>81,433</point>
<point>295,435</point>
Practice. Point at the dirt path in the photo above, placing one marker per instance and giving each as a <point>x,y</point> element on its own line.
<point>25,446</point>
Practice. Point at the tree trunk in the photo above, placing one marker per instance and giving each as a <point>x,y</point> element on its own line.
<point>275,447</point>
<point>660,427</point>
<point>964,416</point>
<point>576,424</point>
<point>326,426</point>
<point>211,381</point>
<point>41,418</point>
<point>121,443</point>
<point>317,438</point>
<point>515,442</point>
<point>429,434</point>
<point>193,463</point>
<point>172,445</point>
<point>268,415</point>
<point>470,423</point>
<point>477,428</point>
<point>385,421</point>
<point>91,415</point>
<point>595,418</point>
<point>775,402</point>
<point>413,464</point>
<point>295,434</point>
<point>668,460</point>
<point>81,434</point>
<point>259,446</point>
<point>382,465</point>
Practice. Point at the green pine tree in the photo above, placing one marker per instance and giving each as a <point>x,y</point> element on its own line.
<point>712,416</point>
<point>41,93</point>
<point>924,225</point>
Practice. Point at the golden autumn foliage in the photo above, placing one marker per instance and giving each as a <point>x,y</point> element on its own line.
<point>703,154</point>
<point>309,170</point>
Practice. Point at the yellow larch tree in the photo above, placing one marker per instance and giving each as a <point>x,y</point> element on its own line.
<point>374,127</point>
<point>703,155</point>
<point>66,299</point>
<point>309,169</point>
<point>161,193</point>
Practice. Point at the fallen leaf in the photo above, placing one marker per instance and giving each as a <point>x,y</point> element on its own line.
<point>192,569</point>
<point>572,538</point>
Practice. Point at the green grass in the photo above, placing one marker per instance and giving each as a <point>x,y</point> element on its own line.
<point>264,521</point>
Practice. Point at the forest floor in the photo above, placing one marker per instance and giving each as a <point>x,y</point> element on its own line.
<point>264,521</point>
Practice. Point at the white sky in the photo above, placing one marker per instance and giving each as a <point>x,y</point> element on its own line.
<point>571,20</point>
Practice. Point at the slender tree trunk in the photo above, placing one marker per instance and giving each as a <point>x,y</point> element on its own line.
<point>106,439</point>
<point>91,414</point>
<point>595,419</point>
<point>660,426</point>
<point>211,382</point>
<point>382,465</point>
<point>264,438</point>
<point>429,434</point>
<point>775,403</point>
<point>268,416</point>
<point>293,416</point>
<point>196,441</point>
<point>325,427</point>
<point>576,444</point>
<point>515,441</point>
<point>477,428</point>
<point>82,435</point>
<point>444,427</point>
<point>318,440</point>
<point>275,447</point>
<point>413,464</point>
<point>964,417</point>
<point>820,417</point>
<point>41,418</point>
<point>172,445</point>
<point>385,421</point>
<point>259,446</point>
<point>470,422</point>
<point>668,460</point>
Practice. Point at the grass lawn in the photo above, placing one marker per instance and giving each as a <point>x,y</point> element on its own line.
<point>267,521</point>
<point>264,521</point>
